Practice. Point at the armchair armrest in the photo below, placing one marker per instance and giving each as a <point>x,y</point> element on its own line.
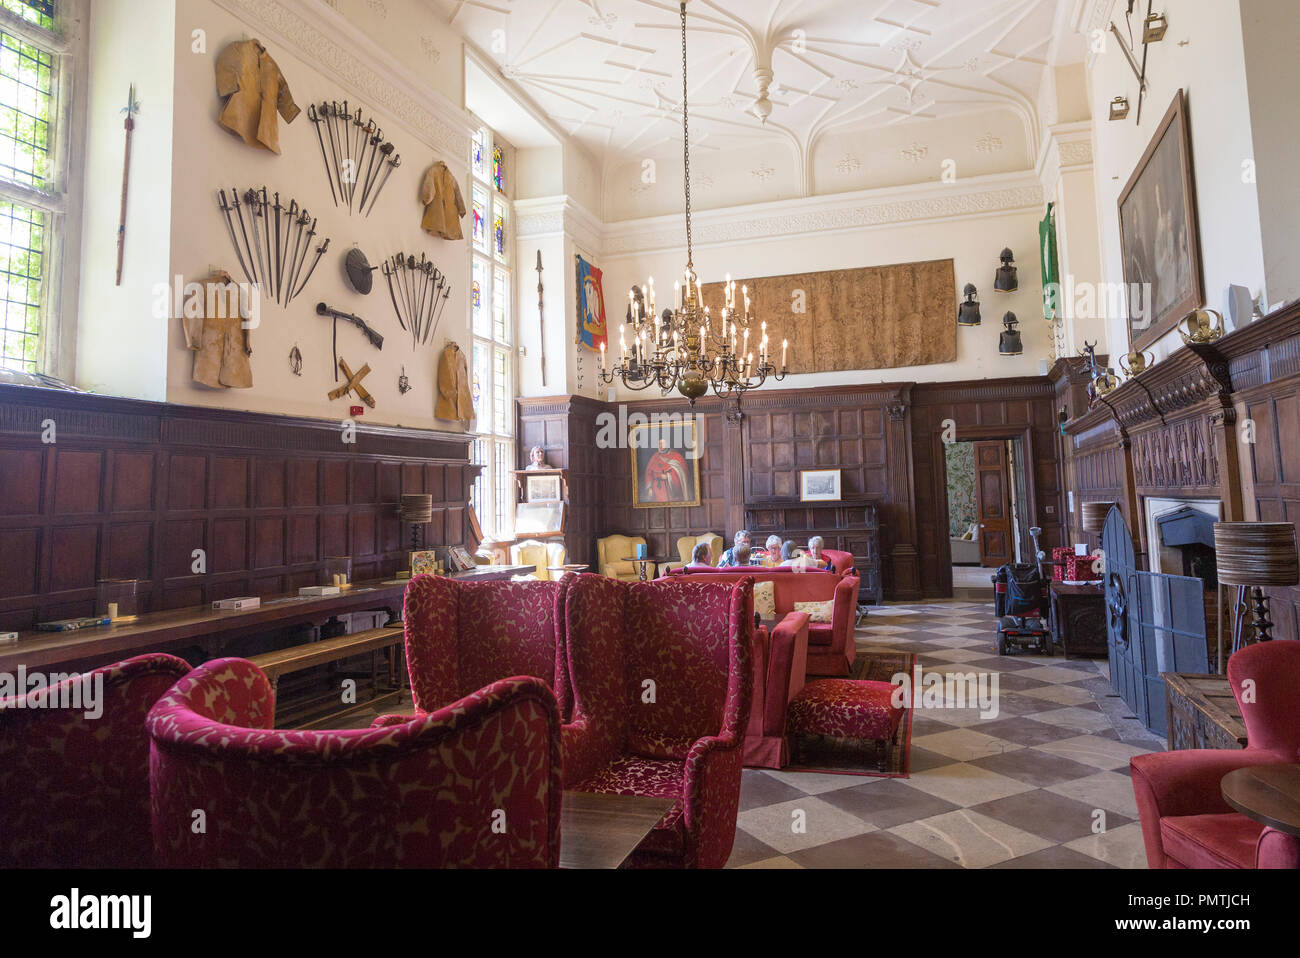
<point>388,721</point>
<point>711,797</point>
<point>1187,782</point>
<point>787,667</point>
<point>844,613</point>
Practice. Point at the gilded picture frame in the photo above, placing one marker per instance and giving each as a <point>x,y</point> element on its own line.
<point>665,464</point>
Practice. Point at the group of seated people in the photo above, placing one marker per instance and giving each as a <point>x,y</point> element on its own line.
<point>774,554</point>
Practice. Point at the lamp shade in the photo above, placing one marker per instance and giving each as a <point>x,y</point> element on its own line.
<point>417,509</point>
<point>1259,554</point>
<point>1093,515</point>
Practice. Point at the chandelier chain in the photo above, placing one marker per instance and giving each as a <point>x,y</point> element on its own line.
<point>686,139</point>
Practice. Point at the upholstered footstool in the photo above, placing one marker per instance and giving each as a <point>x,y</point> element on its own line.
<point>847,709</point>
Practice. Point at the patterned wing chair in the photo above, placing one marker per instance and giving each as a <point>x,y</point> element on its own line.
<point>424,794</point>
<point>543,555</point>
<point>686,547</point>
<point>74,790</point>
<point>1186,823</point>
<point>681,737</point>
<point>462,636</point>
<point>613,553</point>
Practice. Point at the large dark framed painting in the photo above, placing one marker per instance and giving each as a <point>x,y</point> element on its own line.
<point>665,464</point>
<point>1159,234</point>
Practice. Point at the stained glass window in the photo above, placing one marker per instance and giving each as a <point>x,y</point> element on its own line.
<point>499,234</point>
<point>39,12</point>
<point>499,168</point>
<point>482,325</point>
<point>478,154</point>
<point>480,220</point>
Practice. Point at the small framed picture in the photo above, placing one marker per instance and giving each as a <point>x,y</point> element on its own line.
<point>821,485</point>
<point>424,562</point>
<point>542,489</point>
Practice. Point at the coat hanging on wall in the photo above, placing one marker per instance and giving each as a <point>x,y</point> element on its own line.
<point>220,342</point>
<point>256,91</point>
<point>443,203</point>
<point>453,386</point>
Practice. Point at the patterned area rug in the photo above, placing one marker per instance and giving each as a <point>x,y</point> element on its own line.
<point>817,753</point>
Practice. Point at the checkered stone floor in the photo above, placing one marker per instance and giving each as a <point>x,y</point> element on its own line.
<point>1044,783</point>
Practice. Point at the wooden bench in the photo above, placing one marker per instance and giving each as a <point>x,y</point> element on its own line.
<point>300,658</point>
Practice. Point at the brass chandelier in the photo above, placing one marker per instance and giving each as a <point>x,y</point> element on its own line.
<point>686,348</point>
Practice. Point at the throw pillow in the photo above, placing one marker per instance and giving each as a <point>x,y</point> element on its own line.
<point>765,599</point>
<point>820,612</point>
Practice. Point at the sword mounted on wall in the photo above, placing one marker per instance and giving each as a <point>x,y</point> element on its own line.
<point>132,108</point>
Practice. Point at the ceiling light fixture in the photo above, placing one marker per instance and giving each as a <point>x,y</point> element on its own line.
<point>683,349</point>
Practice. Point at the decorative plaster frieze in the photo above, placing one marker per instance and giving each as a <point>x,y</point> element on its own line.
<point>795,218</point>
<point>326,39</point>
<point>558,216</point>
<point>1075,152</point>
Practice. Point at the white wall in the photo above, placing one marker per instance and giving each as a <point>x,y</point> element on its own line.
<point>208,158</point>
<point>1272,35</point>
<point>1211,68</point>
<point>973,241</point>
<point>121,345</point>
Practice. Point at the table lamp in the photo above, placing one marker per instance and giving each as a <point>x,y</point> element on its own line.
<point>418,511</point>
<point>1256,556</point>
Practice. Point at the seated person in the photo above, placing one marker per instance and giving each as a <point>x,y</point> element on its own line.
<point>770,554</point>
<point>743,555</point>
<point>702,557</point>
<point>814,557</point>
<point>789,552</point>
<point>742,538</point>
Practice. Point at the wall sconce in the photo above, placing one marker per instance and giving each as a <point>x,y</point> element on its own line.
<point>1255,555</point>
<point>1008,278</point>
<point>1119,108</point>
<point>1154,28</point>
<point>1009,343</point>
<point>968,313</point>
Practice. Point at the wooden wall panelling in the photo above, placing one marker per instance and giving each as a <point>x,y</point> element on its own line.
<point>132,489</point>
<point>566,428</point>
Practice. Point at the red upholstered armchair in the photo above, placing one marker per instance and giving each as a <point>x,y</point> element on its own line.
<point>1185,821</point>
<point>842,562</point>
<point>461,637</point>
<point>74,790</point>
<point>661,684</point>
<point>780,661</point>
<point>831,649</point>
<point>426,794</point>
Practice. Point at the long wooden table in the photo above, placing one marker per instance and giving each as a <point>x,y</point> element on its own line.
<point>201,625</point>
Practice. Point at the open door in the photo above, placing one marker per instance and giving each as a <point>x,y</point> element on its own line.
<point>992,488</point>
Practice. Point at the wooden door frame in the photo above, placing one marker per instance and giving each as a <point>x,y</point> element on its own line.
<point>1025,434</point>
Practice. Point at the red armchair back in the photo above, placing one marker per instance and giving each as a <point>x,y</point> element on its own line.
<point>1186,823</point>
<point>461,637</point>
<point>661,695</point>
<point>421,795</point>
<point>74,790</point>
<point>841,561</point>
<point>831,649</point>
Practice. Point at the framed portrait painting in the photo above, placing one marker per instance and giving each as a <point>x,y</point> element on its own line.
<point>1160,237</point>
<point>665,464</point>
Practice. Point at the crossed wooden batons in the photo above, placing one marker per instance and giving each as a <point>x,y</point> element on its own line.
<point>353,384</point>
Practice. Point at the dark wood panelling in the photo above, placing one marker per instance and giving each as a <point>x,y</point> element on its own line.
<point>132,490</point>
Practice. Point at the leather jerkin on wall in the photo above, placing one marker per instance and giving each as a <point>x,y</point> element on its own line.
<point>454,402</point>
<point>256,92</point>
<point>214,330</point>
<point>443,203</point>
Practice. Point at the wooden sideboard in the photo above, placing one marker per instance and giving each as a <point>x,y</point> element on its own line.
<point>852,527</point>
<point>1202,713</point>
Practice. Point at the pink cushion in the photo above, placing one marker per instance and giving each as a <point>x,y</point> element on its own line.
<point>643,776</point>
<point>845,708</point>
<point>1211,841</point>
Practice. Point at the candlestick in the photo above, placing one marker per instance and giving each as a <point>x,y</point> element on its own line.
<point>677,296</point>
<point>785,347</point>
<point>602,357</point>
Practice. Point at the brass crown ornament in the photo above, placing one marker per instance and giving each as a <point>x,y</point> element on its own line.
<point>1136,363</point>
<point>1202,326</point>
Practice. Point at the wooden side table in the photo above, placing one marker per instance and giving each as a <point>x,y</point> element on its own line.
<point>643,564</point>
<point>1269,794</point>
<point>1078,619</point>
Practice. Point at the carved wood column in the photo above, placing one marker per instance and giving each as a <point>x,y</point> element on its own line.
<point>904,560</point>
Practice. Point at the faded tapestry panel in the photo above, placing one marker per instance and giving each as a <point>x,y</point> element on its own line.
<point>882,317</point>
<point>962,510</point>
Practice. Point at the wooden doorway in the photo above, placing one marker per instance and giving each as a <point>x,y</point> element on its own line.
<point>993,494</point>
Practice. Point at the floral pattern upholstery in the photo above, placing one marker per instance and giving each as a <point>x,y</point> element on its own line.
<point>845,708</point>
<point>74,792</point>
<point>661,682</point>
<point>463,636</point>
<point>474,784</point>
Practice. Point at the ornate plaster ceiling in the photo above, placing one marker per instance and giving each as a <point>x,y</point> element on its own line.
<point>609,71</point>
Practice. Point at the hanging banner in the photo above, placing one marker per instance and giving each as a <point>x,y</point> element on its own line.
<point>1051,266</point>
<point>593,328</point>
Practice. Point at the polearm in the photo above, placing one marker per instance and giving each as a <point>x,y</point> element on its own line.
<point>541,315</point>
<point>132,108</point>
